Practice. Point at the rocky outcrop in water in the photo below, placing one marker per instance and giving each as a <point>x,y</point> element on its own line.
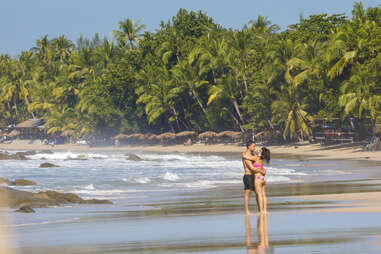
<point>133,157</point>
<point>22,182</point>
<point>17,198</point>
<point>4,181</point>
<point>17,182</point>
<point>25,209</point>
<point>9,156</point>
<point>21,155</point>
<point>48,165</point>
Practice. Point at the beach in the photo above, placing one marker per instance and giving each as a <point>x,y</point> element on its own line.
<point>178,199</point>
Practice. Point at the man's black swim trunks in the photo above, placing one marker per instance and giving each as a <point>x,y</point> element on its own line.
<point>248,181</point>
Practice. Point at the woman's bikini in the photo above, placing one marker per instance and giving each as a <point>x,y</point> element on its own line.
<point>262,178</point>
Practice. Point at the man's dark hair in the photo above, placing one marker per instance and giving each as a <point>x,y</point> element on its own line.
<point>249,143</point>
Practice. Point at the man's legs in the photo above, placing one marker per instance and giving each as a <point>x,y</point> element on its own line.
<point>246,201</point>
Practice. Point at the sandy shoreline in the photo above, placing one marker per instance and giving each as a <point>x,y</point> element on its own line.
<point>348,151</point>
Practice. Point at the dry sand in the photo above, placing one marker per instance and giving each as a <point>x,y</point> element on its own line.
<point>346,151</point>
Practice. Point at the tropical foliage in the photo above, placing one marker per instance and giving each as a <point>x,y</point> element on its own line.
<point>193,74</point>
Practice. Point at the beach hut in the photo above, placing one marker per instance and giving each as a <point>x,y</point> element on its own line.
<point>31,123</point>
<point>31,129</point>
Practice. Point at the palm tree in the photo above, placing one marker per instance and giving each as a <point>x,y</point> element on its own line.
<point>350,45</point>
<point>361,93</point>
<point>263,25</point>
<point>226,90</point>
<point>129,30</point>
<point>306,63</point>
<point>63,47</point>
<point>159,95</point>
<point>290,112</point>
<point>42,48</point>
<point>189,75</point>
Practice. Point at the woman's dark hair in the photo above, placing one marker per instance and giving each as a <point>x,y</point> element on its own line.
<point>265,155</point>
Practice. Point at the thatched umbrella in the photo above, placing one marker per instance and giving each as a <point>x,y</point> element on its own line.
<point>138,136</point>
<point>150,136</point>
<point>185,134</point>
<point>14,133</point>
<point>120,137</point>
<point>259,134</point>
<point>208,134</point>
<point>166,135</point>
<point>230,134</point>
<point>67,133</point>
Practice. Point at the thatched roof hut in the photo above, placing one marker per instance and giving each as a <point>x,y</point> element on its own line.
<point>166,135</point>
<point>120,137</point>
<point>14,133</point>
<point>208,134</point>
<point>67,133</point>
<point>185,134</point>
<point>230,134</point>
<point>31,123</point>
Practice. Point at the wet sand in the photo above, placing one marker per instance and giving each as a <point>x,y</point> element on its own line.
<point>342,217</point>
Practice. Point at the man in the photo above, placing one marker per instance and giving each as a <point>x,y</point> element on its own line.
<point>250,170</point>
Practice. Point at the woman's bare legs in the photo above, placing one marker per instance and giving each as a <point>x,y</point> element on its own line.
<point>258,191</point>
<point>264,197</point>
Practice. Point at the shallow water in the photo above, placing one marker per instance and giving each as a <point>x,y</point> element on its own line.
<point>185,203</point>
<point>110,175</point>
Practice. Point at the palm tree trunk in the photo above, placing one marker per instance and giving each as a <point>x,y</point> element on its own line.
<point>199,103</point>
<point>176,117</point>
<point>27,103</point>
<point>236,107</point>
<point>236,121</point>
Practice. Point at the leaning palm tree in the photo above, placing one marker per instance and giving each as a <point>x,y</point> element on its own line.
<point>188,74</point>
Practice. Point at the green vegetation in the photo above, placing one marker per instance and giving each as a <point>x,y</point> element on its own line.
<point>193,74</point>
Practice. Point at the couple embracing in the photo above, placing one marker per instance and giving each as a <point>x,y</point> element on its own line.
<point>254,178</point>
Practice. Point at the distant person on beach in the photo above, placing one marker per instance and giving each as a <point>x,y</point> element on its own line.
<point>251,173</point>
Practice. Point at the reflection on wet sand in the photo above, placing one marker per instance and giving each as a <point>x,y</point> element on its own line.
<point>263,236</point>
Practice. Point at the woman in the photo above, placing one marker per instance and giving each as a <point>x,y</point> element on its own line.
<point>259,179</point>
